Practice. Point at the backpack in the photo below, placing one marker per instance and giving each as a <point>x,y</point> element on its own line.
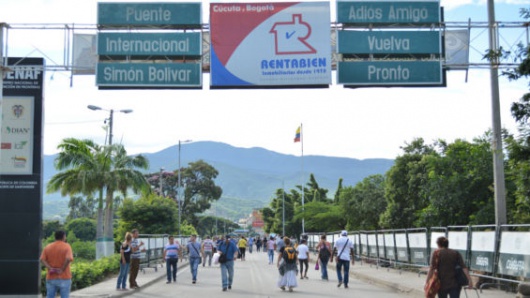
<point>324,253</point>
<point>289,254</point>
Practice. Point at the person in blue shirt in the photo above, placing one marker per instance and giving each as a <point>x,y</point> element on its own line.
<point>228,248</point>
<point>250,244</point>
<point>194,249</point>
<point>171,255</point>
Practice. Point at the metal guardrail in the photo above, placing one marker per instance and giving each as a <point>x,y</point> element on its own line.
<point>153,256</point>
<point>479,245</point>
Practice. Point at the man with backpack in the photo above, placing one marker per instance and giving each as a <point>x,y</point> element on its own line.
<point>287,266</point>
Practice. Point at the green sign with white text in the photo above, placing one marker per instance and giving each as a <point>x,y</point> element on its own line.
<point>149,44</point>
<point>389,42</point>
<point>149,75</point>
<point>390,73</point>
<point>132,14</point>
<point>388,12</point>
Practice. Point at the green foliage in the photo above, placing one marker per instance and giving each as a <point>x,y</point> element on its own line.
<point>80,207</point>
<point>363,204</point>
<point>150,214</point>
<point>199,189</point>
<point>321,216</point>
<point>208,225</point>
<point>84,228</point>
<point>404,191</point>
<point>85,250</point>
<point>49,227</point>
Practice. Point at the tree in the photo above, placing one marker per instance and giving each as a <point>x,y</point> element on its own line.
<point>84,228</point>
<point>79,207</point>
<point>460,184</point>
<point>211,225</point>
<point>405,186</point>
<point>88,168</point>
<point>199,189</point>
<point>363,204</point>
<point>49,227</point>
<point>151,214</point>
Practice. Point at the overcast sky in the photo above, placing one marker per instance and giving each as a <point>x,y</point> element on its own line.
<point>356,123</point>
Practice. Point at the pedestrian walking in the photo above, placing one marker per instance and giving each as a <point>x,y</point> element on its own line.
<point>242,245</point>
<point>344,250</point>
<point>136,250</point>
<point>258,244</point>
<point>287,266</point>
<point>171,255</point>
<point>56,257</point>
<point>271,247</point>
<point>444,260</point>
<point>125,261</point>
<point>229,249</point>
<point>194,257</point>
<point>264,244</point>
<point>207,248</point>
<point>303,258</point>
<point>250,244</point>
<point>324,256</point>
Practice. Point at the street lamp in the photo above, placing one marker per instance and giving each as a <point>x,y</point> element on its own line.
<point>179,184</point>
<point>111,117</point>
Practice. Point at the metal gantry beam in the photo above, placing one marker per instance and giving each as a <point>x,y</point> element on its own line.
<point>10,46</point>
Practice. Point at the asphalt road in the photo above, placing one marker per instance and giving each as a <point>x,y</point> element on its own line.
<point>256,278</point>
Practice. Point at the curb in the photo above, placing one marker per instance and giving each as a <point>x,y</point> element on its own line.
<point>130,292</point>
<point>413,292</point>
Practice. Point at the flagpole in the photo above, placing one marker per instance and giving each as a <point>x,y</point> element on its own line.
<point>302,150</point>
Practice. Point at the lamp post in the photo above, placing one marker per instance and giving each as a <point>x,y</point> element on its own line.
<point>161,182</point>
<point>111,117</point>
<point>178,184</point>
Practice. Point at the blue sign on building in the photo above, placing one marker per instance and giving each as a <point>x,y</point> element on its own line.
<point>388,12</point>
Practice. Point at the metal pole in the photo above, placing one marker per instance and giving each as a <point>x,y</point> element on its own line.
<point>161,182</point>
<point>283,207</point>
<point>110,125</point>
<point>178,191</point>
<point>498,160</point>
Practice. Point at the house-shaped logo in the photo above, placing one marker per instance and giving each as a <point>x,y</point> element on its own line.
<point>291,37</point>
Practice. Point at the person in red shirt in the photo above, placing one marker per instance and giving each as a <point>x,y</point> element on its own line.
<point>57,257</point>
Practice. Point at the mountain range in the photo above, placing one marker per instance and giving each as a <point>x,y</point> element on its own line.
<point>248,176</point>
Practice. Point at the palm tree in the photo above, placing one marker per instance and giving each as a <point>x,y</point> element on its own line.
<point>90,168</point>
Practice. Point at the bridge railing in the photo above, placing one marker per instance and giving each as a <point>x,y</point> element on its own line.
<point>500,256</point>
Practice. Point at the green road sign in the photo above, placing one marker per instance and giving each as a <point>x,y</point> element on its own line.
<point>390,73</point>
<point>150,44</point>
<point>149,75</point>
<point>388,12</point>
<point>128,14</point>
<point>389,42</point>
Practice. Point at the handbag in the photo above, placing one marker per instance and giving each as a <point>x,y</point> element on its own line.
<point>215,258</point>
<point>461,278</point>
<point>317,267</point>
<point>433,284</point>
<point>222,257</point>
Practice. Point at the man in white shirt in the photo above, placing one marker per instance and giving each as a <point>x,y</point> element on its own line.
<point>344,250</point>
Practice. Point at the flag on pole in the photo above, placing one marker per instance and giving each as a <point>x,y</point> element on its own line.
<point>297,137</point>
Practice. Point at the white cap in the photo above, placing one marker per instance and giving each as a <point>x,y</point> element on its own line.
<point>344,233</point>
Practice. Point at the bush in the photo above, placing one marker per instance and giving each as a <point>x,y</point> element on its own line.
<point>84,250</point>
<point>85,273</point>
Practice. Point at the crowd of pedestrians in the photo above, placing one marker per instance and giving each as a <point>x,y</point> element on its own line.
<point>293,258</point>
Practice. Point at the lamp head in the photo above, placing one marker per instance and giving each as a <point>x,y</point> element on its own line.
<point>93,108</point>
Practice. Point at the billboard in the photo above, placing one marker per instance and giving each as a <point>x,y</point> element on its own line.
<point>21,174</point>
<point>270,44</point>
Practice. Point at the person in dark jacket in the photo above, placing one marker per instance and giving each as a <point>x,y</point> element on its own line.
<point>447,261</point>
